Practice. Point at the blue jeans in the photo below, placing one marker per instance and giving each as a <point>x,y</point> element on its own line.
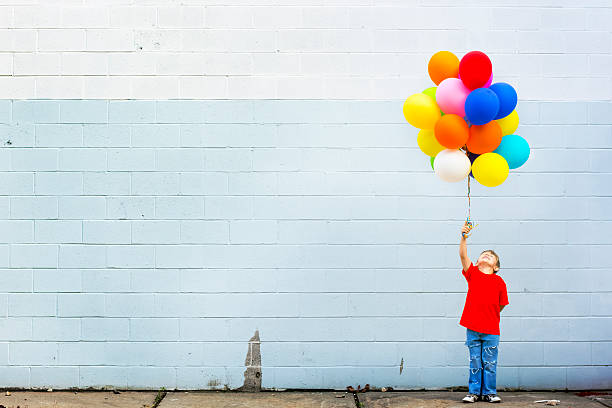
<point>483,362</point>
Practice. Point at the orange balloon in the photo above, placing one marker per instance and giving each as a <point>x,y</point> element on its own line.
<point>484,138</point>
<point>443,64</point>
<point>451,131</point>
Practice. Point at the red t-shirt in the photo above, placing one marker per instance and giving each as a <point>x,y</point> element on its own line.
<point>486,293</point>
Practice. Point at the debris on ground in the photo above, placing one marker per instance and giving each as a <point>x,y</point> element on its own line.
<point>548,402</point>
<point>8,394</point>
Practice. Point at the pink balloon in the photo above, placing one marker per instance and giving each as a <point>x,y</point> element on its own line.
<point>451,95</point>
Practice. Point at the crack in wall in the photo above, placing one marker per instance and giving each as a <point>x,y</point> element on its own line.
<point>252,374</point>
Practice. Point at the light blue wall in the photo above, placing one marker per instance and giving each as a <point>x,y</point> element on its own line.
<point>142,243</point>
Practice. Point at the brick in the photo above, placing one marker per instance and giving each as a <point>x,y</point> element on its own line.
<point>16,376</point>
<point>131,112</point>
<point>101,376</point>
<point>84,63</point>
<point>54,377</point>
<point>106,183</point>
<point>87,159</point>
<point>82,207</point>
<point>156,232</point>
<point>83,111</point>
<point>58,231</point>
<point>34,256</point>
<point>16,231</point>
<point>54,329</point>
<point>36,111</point>
<point>194,329</point>
<point>58,183</point>
<point>131,159</point>
<point>109,39</point>
<point>36,64</point>
<point>106,232</point>
<point>32,304</point>
<point>253,183</point>
<point>179,159</point>
<point>82,256</point>
<point>179,207</point>
<point>61,40</point>
<point>123,208</point>
<point>58,135</point>
<point>253,232</point>
<point>148,280</point>
<point>148,135</point>
<point>204,232</point>
<point>228,207</point>
<point>133,256</point>
<point>57,280</point>
<point>153,329</point>
<point>33,353</point>
<point>109,329</point>
<point>83,353</point>
<point>19,135</point>
<point>151,377</point>
<point>129,305</point>
<point>155,183</point>
<point>594,378</point>
<point>95,135</point>
<point>16,328</point>
<point>228,159</point>
<point>542,377</point>
<point>567,354</point>
<point>34,159</point>
<point>106,280</point>
<point>13,183</point>
<point>16,280</point>
<point>133,16</point>
<point>80,305</point>
<point>4,256</point>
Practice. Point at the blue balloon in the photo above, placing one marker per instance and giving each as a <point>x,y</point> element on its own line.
<point>481,106</point>
<point>514,149</point>
<point>507,98</point>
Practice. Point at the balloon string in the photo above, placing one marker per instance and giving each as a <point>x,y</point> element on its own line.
<point>469,199</point>
<point>468,221</point>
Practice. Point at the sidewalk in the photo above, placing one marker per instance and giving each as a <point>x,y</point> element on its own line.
<point>292,399</point>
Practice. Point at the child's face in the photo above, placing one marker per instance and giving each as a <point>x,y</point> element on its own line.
<point>488,259</point>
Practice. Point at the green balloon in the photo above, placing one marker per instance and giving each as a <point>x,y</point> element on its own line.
<point>431,160</point>
<point>431,92</point>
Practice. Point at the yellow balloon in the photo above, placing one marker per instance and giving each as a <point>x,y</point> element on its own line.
<point>490,169</point>
<point>428,143</point>
<point>421,111</point>
<point>509,124</point>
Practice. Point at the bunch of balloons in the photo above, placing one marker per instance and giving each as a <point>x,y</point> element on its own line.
<point>467,122</point>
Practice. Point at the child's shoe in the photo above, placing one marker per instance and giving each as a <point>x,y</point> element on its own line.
<point>491,398</point>
<point>470,398</point>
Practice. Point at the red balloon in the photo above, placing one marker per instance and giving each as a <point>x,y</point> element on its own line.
<point>475,69</point>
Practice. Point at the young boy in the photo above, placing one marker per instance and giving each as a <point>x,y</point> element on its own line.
<point>486,298</point>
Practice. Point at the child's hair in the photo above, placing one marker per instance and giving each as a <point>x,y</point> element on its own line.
<point>492,252</point>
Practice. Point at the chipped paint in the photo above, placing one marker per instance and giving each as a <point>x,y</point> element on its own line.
<point>252,374</point>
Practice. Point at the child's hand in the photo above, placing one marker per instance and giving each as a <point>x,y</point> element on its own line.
<point>465,230</point>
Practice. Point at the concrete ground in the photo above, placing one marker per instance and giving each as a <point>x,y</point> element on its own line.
<point>290,399</point>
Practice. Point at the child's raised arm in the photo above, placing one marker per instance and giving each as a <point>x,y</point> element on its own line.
<point>465,260</point>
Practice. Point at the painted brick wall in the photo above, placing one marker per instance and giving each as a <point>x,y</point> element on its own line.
<point>144,241</point>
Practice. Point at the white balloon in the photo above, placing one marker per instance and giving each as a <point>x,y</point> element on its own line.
<point>452,165</point>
